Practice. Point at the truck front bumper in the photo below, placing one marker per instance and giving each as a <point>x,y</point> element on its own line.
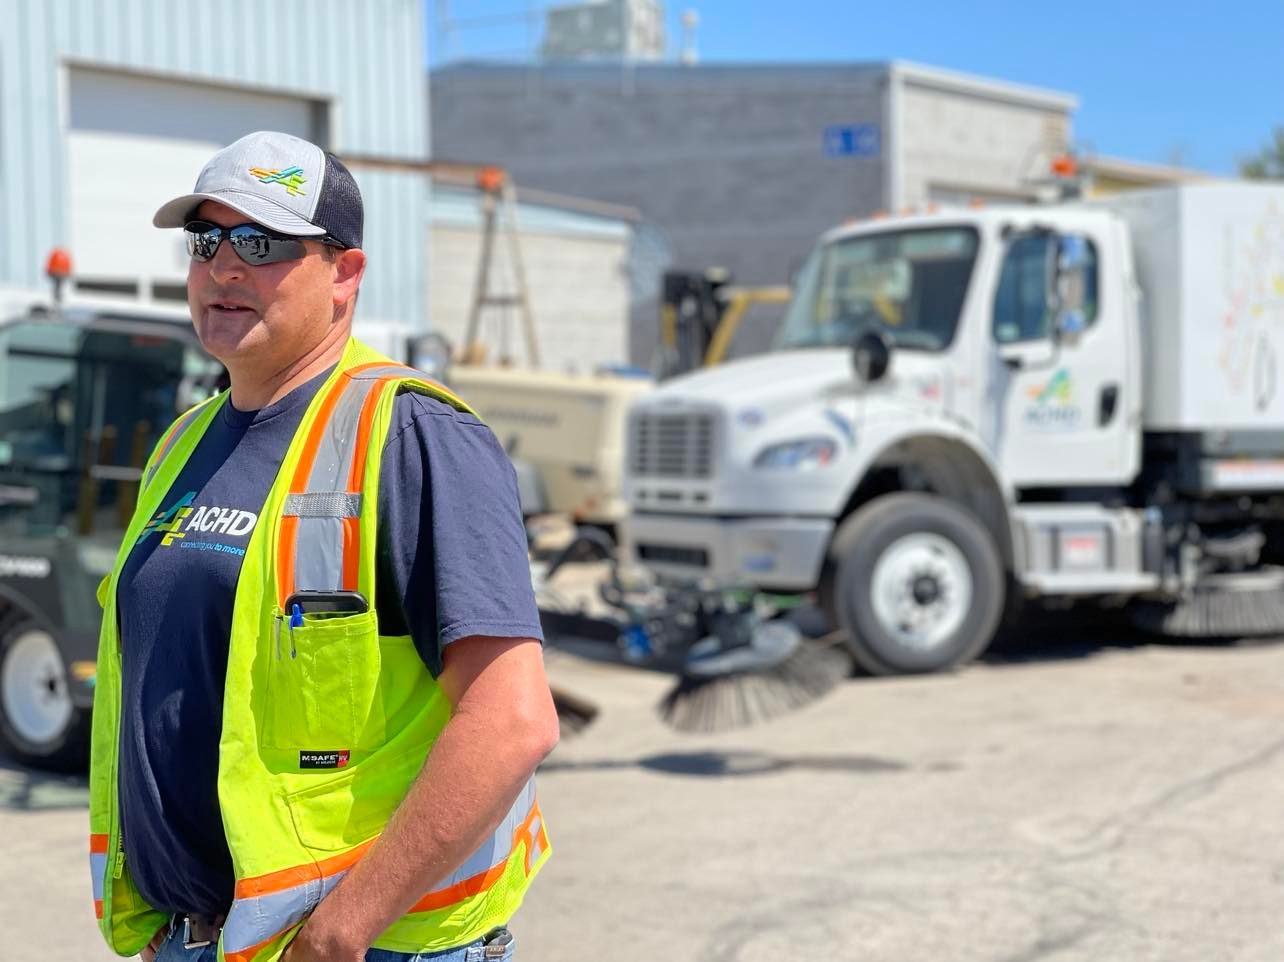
<point>778,553</point>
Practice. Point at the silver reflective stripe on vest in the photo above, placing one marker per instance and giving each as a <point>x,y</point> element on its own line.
<point>499,846</point>
<point>333,464</point>
<point>254,920</point>
<point>98,872</point>
<point>318,564</point>
<point>323,504</point>
<point>399,370</point>
<point>318,546</point>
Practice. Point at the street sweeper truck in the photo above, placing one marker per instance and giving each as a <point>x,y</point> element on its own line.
<point>1079,401</point>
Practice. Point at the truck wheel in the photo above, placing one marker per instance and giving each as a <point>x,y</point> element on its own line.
<point>39,724</point>
<point>917,584</point>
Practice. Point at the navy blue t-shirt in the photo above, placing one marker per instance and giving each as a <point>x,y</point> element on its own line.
<point>451,563</point>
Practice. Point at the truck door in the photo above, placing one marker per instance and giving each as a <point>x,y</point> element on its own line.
<point>1061,405</point>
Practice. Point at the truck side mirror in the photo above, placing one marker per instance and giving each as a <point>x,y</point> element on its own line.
<point>1069,287</point>
<point>871,356</point>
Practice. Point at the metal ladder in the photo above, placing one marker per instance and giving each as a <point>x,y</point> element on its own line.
<point>499,213</point>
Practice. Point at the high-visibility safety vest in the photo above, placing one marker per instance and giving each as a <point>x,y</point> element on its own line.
<point>326,724</point>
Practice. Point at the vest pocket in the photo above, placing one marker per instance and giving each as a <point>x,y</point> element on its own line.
<point>346,809</point>
<point>321,694</point>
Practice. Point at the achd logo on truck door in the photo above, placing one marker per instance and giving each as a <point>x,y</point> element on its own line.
<point>1053,408</point>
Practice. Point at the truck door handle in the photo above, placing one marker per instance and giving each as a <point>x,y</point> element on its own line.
<point>1109,402</point>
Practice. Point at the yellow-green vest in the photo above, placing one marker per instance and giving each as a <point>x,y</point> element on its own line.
<point>363,702</point>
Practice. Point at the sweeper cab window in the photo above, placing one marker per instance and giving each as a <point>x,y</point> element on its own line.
<point>81,406</point>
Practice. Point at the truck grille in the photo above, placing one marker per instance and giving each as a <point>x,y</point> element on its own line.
<point>674,554</point>
<point>672,446</point>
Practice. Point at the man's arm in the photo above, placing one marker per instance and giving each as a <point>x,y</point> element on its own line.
<point>502,726</point>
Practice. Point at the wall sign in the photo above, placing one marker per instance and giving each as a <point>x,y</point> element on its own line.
<point>852,140</point>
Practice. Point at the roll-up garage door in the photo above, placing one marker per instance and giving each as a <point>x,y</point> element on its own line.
<point>136,141</point>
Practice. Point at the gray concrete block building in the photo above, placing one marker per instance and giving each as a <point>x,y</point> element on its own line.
<point>743,166</point>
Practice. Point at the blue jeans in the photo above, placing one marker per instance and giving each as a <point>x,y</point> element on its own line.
<point>173,951</point>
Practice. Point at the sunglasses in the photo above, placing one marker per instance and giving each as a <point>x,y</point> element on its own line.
<point>253,244</point>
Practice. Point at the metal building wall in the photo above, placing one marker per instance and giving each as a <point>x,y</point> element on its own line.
<point>365,59</point>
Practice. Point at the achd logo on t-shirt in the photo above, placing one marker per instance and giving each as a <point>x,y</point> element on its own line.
<point>183,518</point>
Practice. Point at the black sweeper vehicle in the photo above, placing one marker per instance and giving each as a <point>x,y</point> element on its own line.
<point>86,387</point>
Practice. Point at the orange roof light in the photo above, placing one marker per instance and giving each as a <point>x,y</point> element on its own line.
<point>58,266</point>
<point>1064,165</point>
<point>490,179</point>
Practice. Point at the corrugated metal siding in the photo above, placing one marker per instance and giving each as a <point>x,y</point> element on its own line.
<point>365,58</point>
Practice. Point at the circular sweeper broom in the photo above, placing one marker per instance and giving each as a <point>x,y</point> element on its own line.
<point>738,657</point>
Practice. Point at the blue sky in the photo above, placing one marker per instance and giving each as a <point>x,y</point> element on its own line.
<point>1197,83</point>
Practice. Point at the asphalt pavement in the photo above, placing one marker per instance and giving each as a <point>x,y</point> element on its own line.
<point>1079,795</point>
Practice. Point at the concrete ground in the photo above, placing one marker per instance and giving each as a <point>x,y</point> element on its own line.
<point>1082,796</point>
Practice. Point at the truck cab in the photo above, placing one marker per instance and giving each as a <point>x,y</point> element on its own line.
<point>952,416</point>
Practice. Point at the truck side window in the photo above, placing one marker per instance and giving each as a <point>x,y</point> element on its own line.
<point>1021,308</point>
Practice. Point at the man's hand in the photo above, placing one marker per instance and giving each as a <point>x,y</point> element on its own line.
<point>314,944</point>
<point>152,947</point>
<point>502,726</point>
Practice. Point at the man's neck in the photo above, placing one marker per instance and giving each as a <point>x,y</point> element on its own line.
<point>255,389</point>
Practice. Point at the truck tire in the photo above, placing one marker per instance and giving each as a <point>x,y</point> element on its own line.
<point>39,724</point>
<point>916,584</point>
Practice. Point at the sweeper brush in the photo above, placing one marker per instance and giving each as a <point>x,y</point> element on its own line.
<point>1239,605</point>
<point>733,682</point>
<point>737,656</point>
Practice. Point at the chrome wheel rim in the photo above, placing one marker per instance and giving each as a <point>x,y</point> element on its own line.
<point>921,590</point>
<point>33,684</point>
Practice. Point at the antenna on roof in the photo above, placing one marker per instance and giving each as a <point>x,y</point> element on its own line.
<point>690,23</point>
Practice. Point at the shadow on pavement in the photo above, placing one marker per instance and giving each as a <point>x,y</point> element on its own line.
<point>1045,635</point>
<point>27,790</point>
<point>736,763</point>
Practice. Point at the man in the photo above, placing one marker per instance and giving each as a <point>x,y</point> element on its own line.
<point>321,690</point>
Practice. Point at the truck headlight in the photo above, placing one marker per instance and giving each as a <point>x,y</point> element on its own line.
<point>805,454</point>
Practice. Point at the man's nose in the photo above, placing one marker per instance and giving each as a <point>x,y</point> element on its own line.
<point>225,264</point>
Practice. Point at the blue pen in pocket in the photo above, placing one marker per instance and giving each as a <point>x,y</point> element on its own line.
<point>296,621</point>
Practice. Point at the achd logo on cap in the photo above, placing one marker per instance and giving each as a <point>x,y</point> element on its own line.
<point>291,178</point>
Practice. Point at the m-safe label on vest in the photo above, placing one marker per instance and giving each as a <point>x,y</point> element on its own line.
<point>323,759</point>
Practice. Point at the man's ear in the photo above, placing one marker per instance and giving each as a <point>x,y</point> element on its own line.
<point>349,267</point>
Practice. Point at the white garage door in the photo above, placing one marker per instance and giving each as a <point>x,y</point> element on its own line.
<point>134,143</point>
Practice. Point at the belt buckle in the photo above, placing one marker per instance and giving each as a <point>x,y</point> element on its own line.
<point>188,941</point>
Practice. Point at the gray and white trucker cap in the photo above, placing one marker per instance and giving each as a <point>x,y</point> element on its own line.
<point>283,182</point>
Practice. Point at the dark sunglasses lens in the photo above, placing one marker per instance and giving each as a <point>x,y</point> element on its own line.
<point>255,246</point>
<point>202,240</point>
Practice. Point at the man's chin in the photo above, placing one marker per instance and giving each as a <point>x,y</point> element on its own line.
<point>227,337</point>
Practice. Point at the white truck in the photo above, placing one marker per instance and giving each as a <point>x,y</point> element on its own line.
<point>964,408</point>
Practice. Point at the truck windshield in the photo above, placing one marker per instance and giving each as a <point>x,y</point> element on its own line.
<point>909,284</point>
<point>80,410</point>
